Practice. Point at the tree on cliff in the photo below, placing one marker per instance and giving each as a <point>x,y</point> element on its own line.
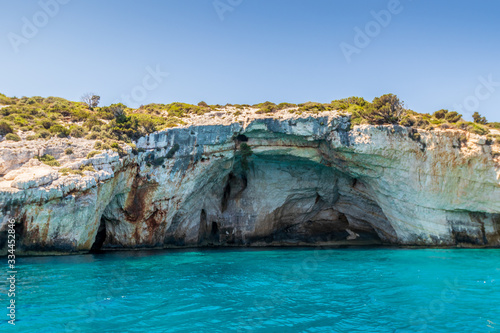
<point>385,109</point>
<point>450,116</point>
<point>453,116</point>
<point>478,119</point>
<point>91,100</point>
<point>440,114</point>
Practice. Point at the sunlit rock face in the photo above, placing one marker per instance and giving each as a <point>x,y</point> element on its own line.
<point>308,181</point>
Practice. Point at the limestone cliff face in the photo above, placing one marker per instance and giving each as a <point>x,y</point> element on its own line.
<point>310,180</point>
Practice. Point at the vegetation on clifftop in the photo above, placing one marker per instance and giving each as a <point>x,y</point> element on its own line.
<point>43,118</point>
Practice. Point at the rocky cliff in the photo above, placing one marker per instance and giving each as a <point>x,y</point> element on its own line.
<point>307,180</point>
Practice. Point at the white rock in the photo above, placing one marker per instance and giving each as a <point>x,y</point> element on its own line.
<point>35,177</point>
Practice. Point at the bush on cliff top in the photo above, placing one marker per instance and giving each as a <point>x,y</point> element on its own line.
<point>56,116</point>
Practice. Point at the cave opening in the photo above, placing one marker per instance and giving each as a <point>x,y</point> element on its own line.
<point>315,204</point>
<point>100,237</point>
<point>215,229</point>
<point>242,138</point>
<point>214,233</point>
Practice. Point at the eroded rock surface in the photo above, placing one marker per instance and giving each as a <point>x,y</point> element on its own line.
<point>309,181</point>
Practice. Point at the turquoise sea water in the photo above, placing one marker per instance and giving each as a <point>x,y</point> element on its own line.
<point>270,290</point>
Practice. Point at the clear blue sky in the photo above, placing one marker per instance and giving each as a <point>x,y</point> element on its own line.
<point>432,54</point>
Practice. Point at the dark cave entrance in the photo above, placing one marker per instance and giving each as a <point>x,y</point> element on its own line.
<point>214,233</point>
<point>215,229</point>
<point>242,138</point>
<point>100,237</point>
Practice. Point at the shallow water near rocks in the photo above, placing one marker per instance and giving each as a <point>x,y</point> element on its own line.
<point>267,290</point>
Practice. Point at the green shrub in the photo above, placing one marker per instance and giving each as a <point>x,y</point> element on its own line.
<point>68,151</point>
<point>435,121</point>
<point>91,122</point>
<point>343,104</point>
<point>5,128</point>
<point>12,137</point>
<point>115,146</point>
<point>479,119</point>
<point>48,160</point>
<point>94,136</point>
<point>87,168</point>
<point>478,129</point>
<point>93,153</point>
<point>422,123</point>
<point>157,161</point>
<point>489,139</point>
<point>174,109</point>
<point>46,124</point>
<point>43,134</point>
<point>386,109</point>
<point>106,113</point>
<point>173,122</point>
<point>60,130</point>
<point>172,151</point>
<point>134,148</point>
<point>453,116</point>
<point>77,132</point>
<point>282,106</point>
<point>407,121</point>
<point>20,121</point>
<point>266,107</point>
<point>313,107</point>
<point>441,114</point>
<point>66,171</point>
<point>357,120</point>
<point>415,136</point>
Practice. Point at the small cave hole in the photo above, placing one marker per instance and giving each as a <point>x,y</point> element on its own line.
<point>242,138</point>
<point>215,229</point>
<point>100,237</point>
<point>214,234</point>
